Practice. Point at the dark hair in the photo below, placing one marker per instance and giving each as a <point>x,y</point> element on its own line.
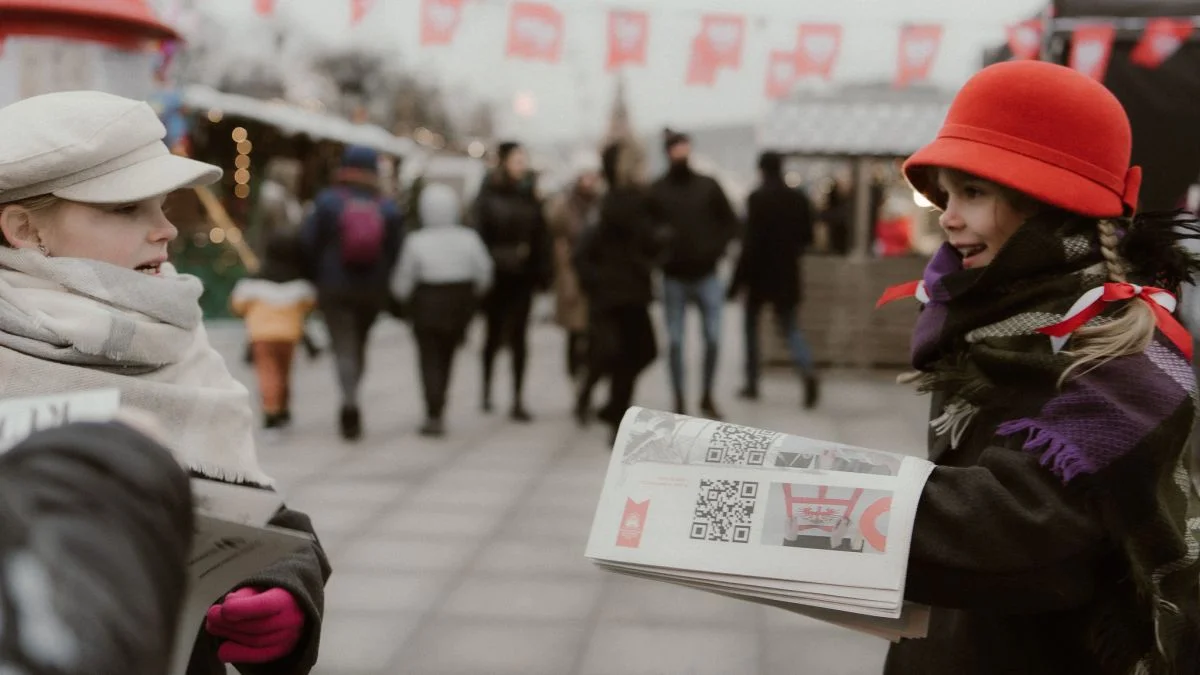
<point>505,149</point>
<point>671,138</point>
<point>283,257</point>
<point>771,164</point>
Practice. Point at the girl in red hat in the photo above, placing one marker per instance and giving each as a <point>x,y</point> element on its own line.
<point>1053,537</point>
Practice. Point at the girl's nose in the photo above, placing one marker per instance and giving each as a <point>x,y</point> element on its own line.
<point>950,220</point>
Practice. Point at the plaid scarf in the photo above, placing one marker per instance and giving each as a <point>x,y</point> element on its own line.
<point>1116,433</point>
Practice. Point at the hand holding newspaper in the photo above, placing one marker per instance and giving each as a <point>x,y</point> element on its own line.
<point>810,526</point>
<point>232,540</point>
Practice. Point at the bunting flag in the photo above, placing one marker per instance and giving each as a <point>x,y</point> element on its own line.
<point>628,38</point>
<point>702,66</point>
<point>1091,47</point>
<point>1161,39</point>
<point>264,7</point>
<point>359,9</point>
<point>723,35</point>
<point>782,73</point>
<point>918,49</point>
<point>535,32</point>
<point>1025,39</point>
<point>439,21</point>
<point>817,48</point>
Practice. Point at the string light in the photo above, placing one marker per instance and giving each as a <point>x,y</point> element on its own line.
<point>239,134</point>
<point>241,176</point>
<point>215,115</point>
<point>216,235</point>
<point>241,191</point>
<point>242,161</point>
<point>244,147</point>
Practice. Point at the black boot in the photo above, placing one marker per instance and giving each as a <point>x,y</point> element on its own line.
<point>434,428</point>
<point>351,423</point>
<point>680,405</point>
<point>520,414</point>
<point>812,392</point>
<point>709,409</point>
<point>748,393</point>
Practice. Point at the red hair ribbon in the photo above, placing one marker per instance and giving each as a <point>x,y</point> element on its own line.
<point>906,290</point>
<point>1092,303</point>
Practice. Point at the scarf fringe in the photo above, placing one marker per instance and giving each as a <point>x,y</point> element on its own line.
<point>228,475</point>
<point>1058,454</point>
<point>955,420</point>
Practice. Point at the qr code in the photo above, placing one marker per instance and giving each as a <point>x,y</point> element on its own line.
<point>733,444</point>
<point>723,511</point>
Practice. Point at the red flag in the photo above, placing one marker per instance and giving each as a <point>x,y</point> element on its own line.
<point>1091,47</point>
<point>702,66</point>
<point>264,7</point>
<point>723,35</point>
<point>535,32</point>
<point>918,49</point>
<point>1161,39</point>
<point>359,9</point>
<point>439,21</point>
<point>782,73</point>
<point>817,49</point>
<point>1025,39</point>
<point>628,37</point>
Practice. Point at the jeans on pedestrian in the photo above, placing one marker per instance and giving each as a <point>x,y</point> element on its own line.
<point>435,350</point>
<point>349,326</point>
<point>785,319</point>
<point>709,295</point>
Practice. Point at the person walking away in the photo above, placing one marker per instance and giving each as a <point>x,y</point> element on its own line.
<point>352,238</point>
<point>1056,533</point>
<point>568,215</point>
<point>508,216</point>
<point>702,223</point>
<point>274,304</point>
<point>89,300</point>
<point>616,262</point>
<point>444,269</point>
<point>779,228</point>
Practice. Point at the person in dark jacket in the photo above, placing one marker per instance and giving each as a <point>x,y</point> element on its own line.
<point>778,230</point>
<point>95,530</point>
<point>616,261</point>
<point>701,224</point>
<point>1058,532</point>
<point>352,239</point>
<point>442,272</point>
<point>509,218</point>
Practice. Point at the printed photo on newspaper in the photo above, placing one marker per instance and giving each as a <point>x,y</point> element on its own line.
<point>816,526</point>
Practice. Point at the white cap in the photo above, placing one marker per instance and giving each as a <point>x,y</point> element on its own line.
<point>91,147</point>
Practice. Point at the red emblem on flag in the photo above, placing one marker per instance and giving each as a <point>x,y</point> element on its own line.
<point>628,37</point>
<point>781,74</point>
<point>1025,39</point>
<point>1161,39</point>
<point>264,7</point>
<point>535,32</point>
<point>359,9</point>
<point>817,48</point>
<point>918,49</point>
<point>439,21</point>
<point>1091,47</point>
<point>724,35</point>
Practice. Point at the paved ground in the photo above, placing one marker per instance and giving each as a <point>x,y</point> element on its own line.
<point>466,555</point>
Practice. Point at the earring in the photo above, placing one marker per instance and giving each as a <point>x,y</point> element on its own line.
<point>43,250</point>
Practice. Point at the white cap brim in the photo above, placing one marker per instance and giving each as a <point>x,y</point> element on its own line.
<point>152,177</point>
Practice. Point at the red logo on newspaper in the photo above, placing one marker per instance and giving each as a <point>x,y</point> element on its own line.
<point>632,523</point>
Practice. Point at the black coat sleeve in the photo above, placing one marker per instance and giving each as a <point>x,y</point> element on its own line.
<point>723,210</point>
<point>749,245</point>
<point>95,528</point>
<point>1005,535</point>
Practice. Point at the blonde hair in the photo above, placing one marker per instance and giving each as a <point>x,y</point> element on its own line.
<point>36,204</point>
<point>1129,331</point>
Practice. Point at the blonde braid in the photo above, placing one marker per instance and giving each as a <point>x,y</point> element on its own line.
<point>1131,328</point>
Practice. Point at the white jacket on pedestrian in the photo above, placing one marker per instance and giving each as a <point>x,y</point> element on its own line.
<point>442,251</point>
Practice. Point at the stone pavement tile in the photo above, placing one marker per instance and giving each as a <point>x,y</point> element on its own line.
<point>366,643</point>
<point>453,478</point>
<point>471,647</point>
<point>644,601</point>
<point>550,498</point>
<point>533,524</point>
<point>519,597</point>
<point>374,553</point>
<point>459,519</point>
<point>486,497</point>
<point>632,649</point>
<point>827,650</point>
<point>330,520</point>
<point>384,591</point>
<point>347,493</point>
<point>535,560</point>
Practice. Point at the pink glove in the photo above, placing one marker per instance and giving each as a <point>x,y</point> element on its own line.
<point>258,626</point>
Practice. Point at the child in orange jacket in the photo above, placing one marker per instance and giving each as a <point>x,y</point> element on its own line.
<point>275,304</point>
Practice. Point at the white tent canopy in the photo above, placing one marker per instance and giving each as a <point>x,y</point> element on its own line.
<point>294,120</point>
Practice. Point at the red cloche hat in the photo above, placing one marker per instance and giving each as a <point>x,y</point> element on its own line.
<point>1042,129</point>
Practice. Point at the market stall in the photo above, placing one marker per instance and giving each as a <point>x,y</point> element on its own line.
<point>863,131</point>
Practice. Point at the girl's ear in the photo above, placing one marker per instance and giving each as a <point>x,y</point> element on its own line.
<point>16,224</point>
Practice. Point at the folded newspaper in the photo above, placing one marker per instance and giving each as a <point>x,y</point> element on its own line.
<point>813,527</point>
<point>232,540</point>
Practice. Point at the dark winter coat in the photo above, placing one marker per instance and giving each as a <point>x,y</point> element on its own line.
<point>700,220</point>
<point>779,228</point>
<point>100,518</point>
<point>509,218</point>
<point>320,236</point>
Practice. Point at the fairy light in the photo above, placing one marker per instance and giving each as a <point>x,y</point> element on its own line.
<point>242,176</point>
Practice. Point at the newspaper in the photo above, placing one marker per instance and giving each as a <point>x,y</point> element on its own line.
<point>816,527</point>
<point>232,540</point>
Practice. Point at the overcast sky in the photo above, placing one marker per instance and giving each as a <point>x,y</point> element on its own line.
<point>572,97</point>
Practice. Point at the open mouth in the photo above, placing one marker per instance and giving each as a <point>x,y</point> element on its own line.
<point>153,269</point>
<point>970,252</point>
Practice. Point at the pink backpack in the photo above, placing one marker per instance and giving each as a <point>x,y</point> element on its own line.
<point>361,230</point>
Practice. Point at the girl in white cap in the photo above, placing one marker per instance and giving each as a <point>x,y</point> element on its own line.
<point>88,300</point>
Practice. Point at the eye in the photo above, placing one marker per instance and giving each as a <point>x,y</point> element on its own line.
<point>126,209</point>
<point>972,191</point>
